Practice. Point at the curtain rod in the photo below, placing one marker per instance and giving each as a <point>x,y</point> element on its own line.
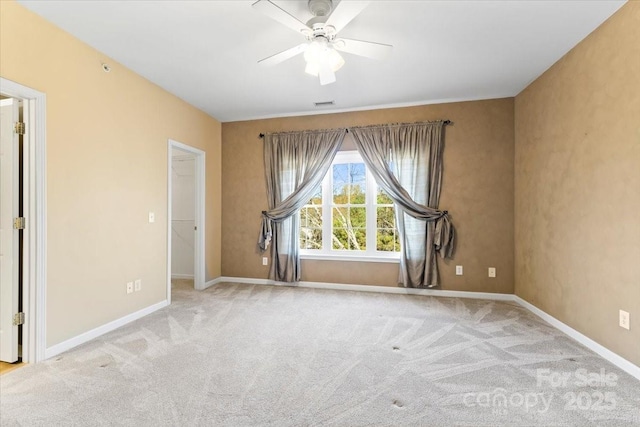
<point>445,122</point>
<point>261,135</point>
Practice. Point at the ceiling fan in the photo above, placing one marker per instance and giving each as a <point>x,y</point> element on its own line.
<point>322,45</point>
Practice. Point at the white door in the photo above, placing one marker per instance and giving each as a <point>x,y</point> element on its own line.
<point>9,258</point>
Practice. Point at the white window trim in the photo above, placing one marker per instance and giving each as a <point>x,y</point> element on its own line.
<point>394,257</point>
<point>330,254</point>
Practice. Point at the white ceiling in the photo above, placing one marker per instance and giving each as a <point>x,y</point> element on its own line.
<point>206,52</point>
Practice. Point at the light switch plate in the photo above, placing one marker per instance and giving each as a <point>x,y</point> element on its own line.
<point>129,287</point>
<point>152,217</point>
<point>137,285</point>
<point>492,272</point>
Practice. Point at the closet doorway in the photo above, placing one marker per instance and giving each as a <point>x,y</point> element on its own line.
<point>186,212</point>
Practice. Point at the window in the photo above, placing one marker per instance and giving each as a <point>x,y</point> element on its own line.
<point>349,217</point>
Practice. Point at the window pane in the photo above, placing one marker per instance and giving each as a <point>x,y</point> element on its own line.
<point>349,239</point>
<point>387,240</point>
<point>341,184</point>
<point>360,243</point>
<point>349,231</point>
<point>340,221</point>
<point>383,198</point>
<point>349,218</point>
<point>358,180</point>
<point>339,239</point>
<point>349,183</point>
<point>385,217</point>
<point>310,238</point>
<point>313,216</point>
<point>358,217</point>
<point>316,199</point>
<point>340,217</point>
<point>311,227</point>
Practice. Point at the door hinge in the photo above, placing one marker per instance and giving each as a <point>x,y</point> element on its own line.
<point>20,128</point>
<point>19,223</point>
<point>18,319</point>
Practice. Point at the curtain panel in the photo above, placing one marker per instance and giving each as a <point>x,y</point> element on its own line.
<point>406,161</point>
<point>295,164</point>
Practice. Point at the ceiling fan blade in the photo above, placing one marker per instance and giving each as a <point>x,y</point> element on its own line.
<point>362,48</point>
<point>276,13</point>
<point>284,55</point>
<point>344,12</point>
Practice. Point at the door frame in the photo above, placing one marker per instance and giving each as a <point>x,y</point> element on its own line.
<point>199,242</point>
<point>34,285</point>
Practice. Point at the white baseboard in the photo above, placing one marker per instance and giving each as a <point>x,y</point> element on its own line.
<point>215,282</point>
<point>181,276</point>
<point>612,357</point>
<point>368,288</point>
<point>101,330</point>
<point>607,354</point>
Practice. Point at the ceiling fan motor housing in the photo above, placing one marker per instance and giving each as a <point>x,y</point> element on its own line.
<point>320,7</point>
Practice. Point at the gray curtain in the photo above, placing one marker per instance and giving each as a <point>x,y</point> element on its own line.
<point>406,161</point>
<point>295,164</point>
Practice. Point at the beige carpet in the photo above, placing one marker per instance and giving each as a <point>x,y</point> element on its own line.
<point>241,355</point>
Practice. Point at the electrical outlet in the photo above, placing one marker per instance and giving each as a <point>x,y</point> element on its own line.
<point>458,270</point>
<point>624,319</point>
<point>492,272</point>
<point>129,287</point>
<point>265,260</point>
<point>138,285</point>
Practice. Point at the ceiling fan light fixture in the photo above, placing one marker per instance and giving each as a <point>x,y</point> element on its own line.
<point>312,68</point>
<point>317,50</point>
<point>335,60</point>
<point>320,53</point>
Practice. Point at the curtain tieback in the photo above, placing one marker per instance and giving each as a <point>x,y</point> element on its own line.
<point>444,235</point>
<point>265,232</point>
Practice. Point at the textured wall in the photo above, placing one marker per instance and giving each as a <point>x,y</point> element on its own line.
<point>477,191</point>
<point>578,186</point>
<point>106,169</point>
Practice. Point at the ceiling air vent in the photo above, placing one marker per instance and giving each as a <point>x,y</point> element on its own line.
<point>324,103</point>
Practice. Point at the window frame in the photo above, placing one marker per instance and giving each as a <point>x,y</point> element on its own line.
<point>370,254</point>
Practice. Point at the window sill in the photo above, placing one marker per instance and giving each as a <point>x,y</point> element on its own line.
<point>356,258</point>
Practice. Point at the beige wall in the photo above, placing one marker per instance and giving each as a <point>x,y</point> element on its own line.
<point>578,186</point>
<point>106,169</point>
<point>477,191</point>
